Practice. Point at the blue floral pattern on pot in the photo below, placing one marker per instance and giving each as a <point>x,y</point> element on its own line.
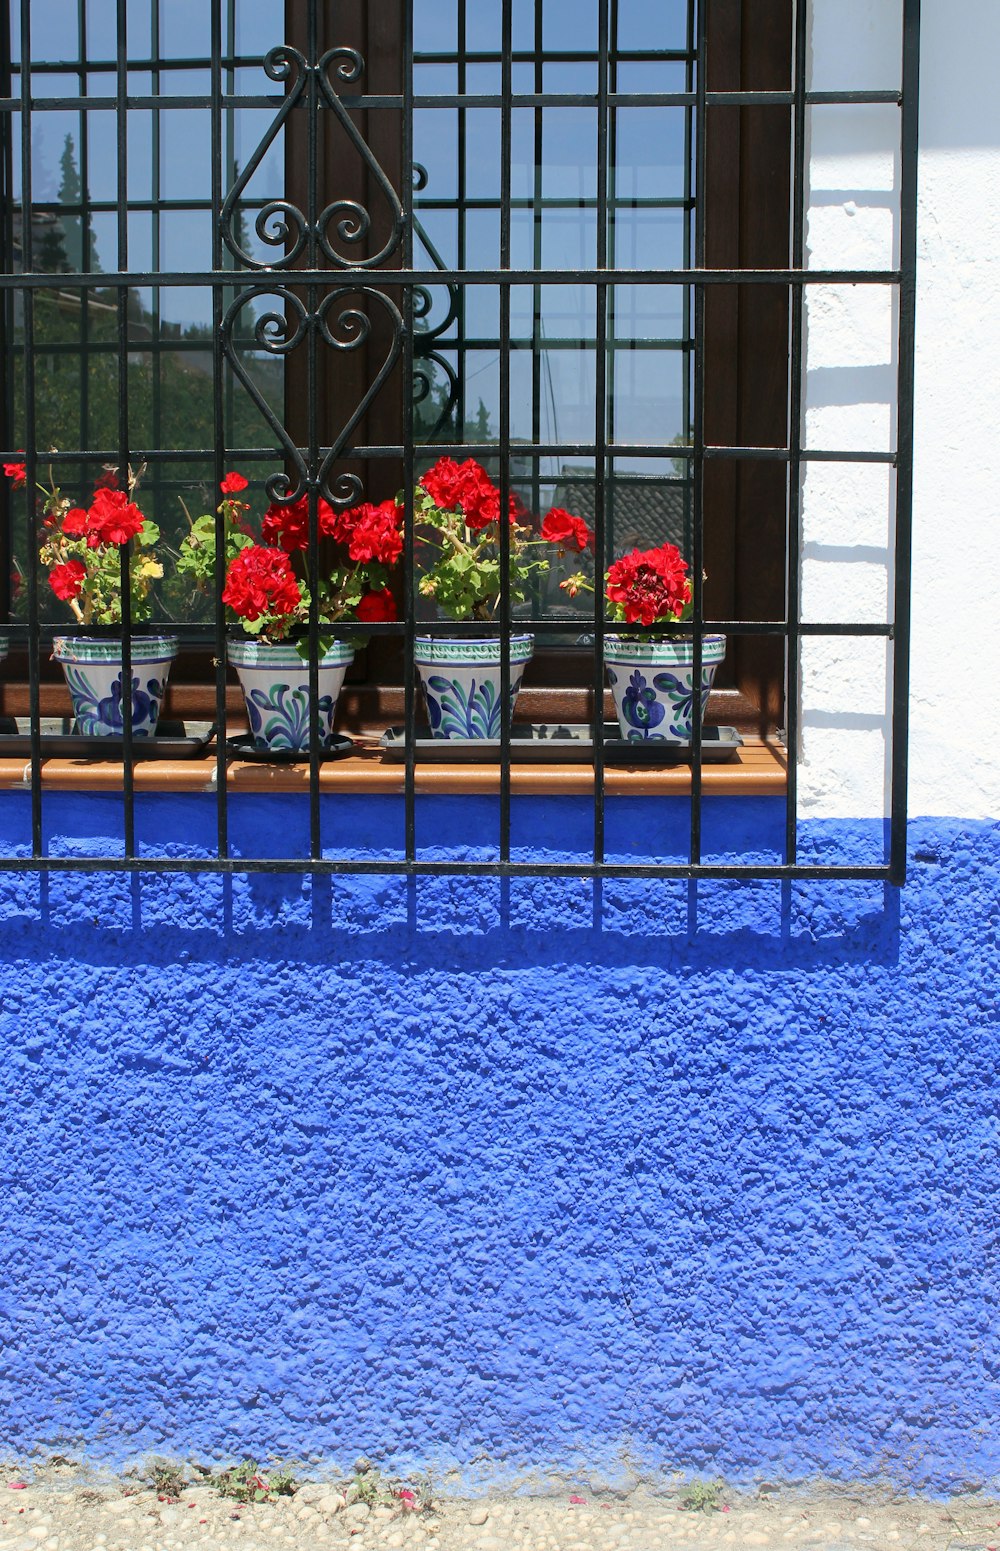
<point>95,676</point>
<point>461,683</point>
<point>653,686</point>
<point>275,683</point>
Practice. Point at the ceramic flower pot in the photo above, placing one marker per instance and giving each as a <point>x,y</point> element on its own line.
<point>93,669</point>
<point>275,684</point>
<point>461,682</point>
<point>653,685</point>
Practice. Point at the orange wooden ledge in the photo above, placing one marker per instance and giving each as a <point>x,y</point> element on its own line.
<point>757,771</point>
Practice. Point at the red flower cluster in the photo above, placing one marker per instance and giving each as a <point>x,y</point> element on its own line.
<point>111,519</point>
<point>372,532</point>
<point>233,484</point>
<point>261,581</point>
<point>376,607</point>
<point>567,531</point>
<point>17,472</point>
<point>288,526</point>
<point>107,481</point>
<point>67,580</point>
<point>467,488</point>
<point>650,584</point>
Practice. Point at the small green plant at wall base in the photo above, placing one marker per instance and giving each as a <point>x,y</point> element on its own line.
<point>248,1483</point>
<point>702,1497</point>
<point>167,1480</point>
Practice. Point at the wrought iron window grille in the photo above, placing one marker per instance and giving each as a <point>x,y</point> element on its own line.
<point>316,275</point>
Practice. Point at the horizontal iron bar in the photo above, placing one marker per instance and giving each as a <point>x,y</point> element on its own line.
<point>482,449</point>
<point>264,279</point>
<point>146,102</point>
<point>581,624</point>
<point>165,345</point>
<point>415,869</point>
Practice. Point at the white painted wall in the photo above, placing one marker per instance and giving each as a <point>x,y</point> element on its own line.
<point>850,402</point>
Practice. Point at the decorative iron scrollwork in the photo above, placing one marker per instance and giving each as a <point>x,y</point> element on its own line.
<point>279,332</point>
<point>282,224</point>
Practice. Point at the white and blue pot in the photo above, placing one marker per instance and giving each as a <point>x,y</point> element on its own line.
<point>275,684</point>
<point>653,685</point>
<point>461,682</point>
<point>93,669</point>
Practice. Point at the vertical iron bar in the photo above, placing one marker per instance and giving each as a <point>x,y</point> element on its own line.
<point>156,361</point>
<point>86,474</point>
<point>698,514</point>
<point>6,309</point>
<point>794,536</point>
<point>601,424</point>
<point>461,407</point>
<point>121,92</point>
<point>409,590</point>
<point>689,77</point>
<point>904,437</point>
<point>219,431</point>
<point>536,259</point>
<point>312,567</point>
<point>30,460</point>
<point>505,631</point>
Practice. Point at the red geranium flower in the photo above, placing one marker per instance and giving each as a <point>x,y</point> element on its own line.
<point>375,533</point>
<point>107,481</point>
<point>67,580</point>
<point>233,484</point>
<point>650,584</point>
<point>564,529</point>
<point>114,519</point>
<point>260,581</point>
<point>288,526</point>
<point>76,522</point>
<point>17,472</point>
<point>467,488</point>
<point>377,606</point>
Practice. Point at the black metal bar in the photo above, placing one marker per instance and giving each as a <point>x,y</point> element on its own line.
<point>409,538</point>
<point>30,437</point>
<point>186,278</point>
<point>314,205</point>
<point>124,452</point>
<point>904,439</point>
<point>453,100</point>
<point>793,547</point>
<point>203,634</point>
<point>487,449</point>
<point>351,866</point>
<point>506,26</point>
<point>219,456</point>
<point>601,427</point>
<point>698,431</point>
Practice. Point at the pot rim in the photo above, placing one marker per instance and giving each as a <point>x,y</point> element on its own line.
<point>249,652</point>
<point>108,649</point>
<point>665,649</point>
<point>468,648</point>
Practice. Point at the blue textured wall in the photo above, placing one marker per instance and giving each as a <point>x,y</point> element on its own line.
<point>495,1177</point>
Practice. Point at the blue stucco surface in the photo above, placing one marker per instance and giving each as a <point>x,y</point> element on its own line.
<point>495,1177</point>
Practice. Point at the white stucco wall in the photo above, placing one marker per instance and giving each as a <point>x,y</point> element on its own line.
<point>848,510</point>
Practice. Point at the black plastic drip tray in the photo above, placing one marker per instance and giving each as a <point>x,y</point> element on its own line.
<point>544,743</point>
<point>59,740</point>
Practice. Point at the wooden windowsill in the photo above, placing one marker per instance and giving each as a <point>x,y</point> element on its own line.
<point>758,770</point>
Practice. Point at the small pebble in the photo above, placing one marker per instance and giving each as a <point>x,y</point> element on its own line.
<point>478,1516</point>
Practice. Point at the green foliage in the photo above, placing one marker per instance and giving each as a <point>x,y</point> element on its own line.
<point>465,581</point>
<point>167,1480</point>
<point>246,1483</point>
<point>703,1497</point>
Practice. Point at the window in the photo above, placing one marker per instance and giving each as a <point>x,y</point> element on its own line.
<point>574,235</point>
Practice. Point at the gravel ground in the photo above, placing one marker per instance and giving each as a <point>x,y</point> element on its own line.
<point>64,1510</point>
